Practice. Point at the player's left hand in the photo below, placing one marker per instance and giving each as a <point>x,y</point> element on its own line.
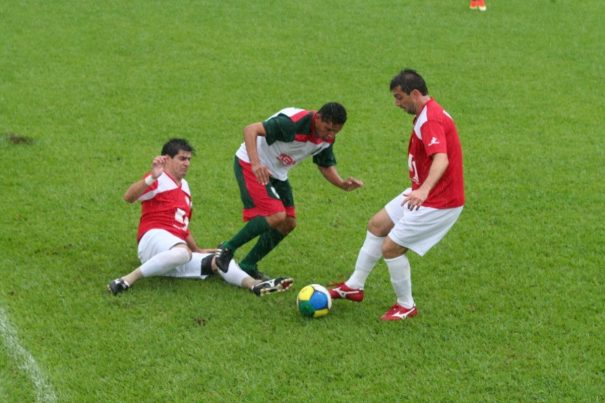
<point>351,184</point>
<point>415,198</point>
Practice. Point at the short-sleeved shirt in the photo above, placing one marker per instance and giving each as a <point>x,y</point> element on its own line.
<point>435,132</point>
<point>166,205</point>
<point>290,139</point>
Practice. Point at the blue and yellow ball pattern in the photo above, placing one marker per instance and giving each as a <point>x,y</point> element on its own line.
<point>314,301</point>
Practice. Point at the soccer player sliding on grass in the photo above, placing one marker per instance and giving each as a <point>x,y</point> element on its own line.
<point>165,244</point>
<point>419,217</point>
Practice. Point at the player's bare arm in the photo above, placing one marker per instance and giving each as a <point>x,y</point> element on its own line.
<point>251,132</point>
<point>192,245</point>
<point>138,188</point>
<point>332,176</point>
<point>416,197</point>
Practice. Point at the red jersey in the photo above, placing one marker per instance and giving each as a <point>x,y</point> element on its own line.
<point>165,205</point>
<point>435,132</point>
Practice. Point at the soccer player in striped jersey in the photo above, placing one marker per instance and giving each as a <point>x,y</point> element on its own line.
<point>165,244</point>
<point>419,217</point>
<point>270,149</point>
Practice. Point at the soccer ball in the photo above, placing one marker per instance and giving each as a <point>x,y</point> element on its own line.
<point>314,301</point>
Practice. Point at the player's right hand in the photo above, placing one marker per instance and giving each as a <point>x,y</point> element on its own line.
<point>262,173</point>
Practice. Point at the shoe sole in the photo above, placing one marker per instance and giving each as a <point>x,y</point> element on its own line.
<point>281,287</point>
<point>347,299</point>
<point>337,295</point>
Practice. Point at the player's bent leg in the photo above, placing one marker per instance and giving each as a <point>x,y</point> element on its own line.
<point>265,244</point>
<point>369,254</point>
<point>226,250</point>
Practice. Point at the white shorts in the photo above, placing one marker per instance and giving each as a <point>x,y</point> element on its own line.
<point>157,241</point>
<point>419,230</point>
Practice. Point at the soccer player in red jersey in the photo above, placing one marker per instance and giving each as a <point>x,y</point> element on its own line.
<point>270,149</point>
<point>419,217</point>
<point>478,5</point>
<point>165,244</point>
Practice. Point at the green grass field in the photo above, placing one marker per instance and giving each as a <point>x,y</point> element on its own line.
<point>511,301</point>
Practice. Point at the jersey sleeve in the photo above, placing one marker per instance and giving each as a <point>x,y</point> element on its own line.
<point>279,128</point>
<point>433,138</point>
<point>325,158</point>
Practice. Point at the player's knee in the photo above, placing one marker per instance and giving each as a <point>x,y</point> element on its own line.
<point>391,250</point>
<point>376,228</point>
<point>180,255</point>
<point>288,225</point>
<point>380,224</point>
<point>388,252</point>
<point>277,220</point>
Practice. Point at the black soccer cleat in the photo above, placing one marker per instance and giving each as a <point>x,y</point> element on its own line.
<point>117,286</point>
<point>279,284</point>
<point>223,257</point>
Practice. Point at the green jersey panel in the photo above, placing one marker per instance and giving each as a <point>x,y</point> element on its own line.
<point>279,128</point>
<point>282,128</point>
<point>325,158</point>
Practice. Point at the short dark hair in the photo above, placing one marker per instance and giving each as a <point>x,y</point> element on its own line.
<point>333,112</point>
<point>173,146</point>
<point>409,80</point>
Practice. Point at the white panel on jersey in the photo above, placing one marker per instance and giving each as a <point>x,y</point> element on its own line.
<point>165,184</point>
<point>422,119</point>
<point>287,111</point>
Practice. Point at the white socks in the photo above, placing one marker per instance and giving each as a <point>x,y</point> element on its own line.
<point>164,262</point>
<point>235,275</point>
<point>399,269</point>
<point>401,279</point>
<point>369,254</point>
